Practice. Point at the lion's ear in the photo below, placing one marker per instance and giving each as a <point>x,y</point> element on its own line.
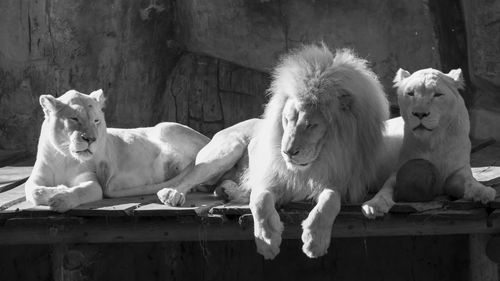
<point>50,104</point>
<point>401,75</point>
<point>457,76</point>
<point>98,95</point>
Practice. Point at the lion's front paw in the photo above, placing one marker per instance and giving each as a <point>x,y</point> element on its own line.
<point>268,237</point>
<point>378,206</point>
<point>316,240</point>
<point>63,202</point>
<point>479,192</point>
<point>172,197</point>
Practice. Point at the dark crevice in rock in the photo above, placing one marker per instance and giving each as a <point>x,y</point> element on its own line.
<point>449,26</point>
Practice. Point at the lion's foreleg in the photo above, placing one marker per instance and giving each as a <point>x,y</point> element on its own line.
<point>463,184</point>
<point>383,201</point>
<point>317,227</point>
<point>267,224</point>
<point>212,161</point>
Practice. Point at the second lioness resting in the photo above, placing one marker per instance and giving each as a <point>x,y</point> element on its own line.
<point>436,129</point>
<point>79,159</point>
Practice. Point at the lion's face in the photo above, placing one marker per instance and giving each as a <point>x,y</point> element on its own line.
<point>75,122</point>
<point>428,100</point>
<point>304,128</point>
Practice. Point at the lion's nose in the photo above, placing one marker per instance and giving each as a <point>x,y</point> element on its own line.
<point>88,138</point>
<point>420,115</point>
<point>291,152</point>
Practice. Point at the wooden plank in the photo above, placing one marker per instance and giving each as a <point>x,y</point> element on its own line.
<point>12,176</point>
<point>155,229</point>
<point>113,206</point>
<point>197,204</point>
<point>11,197</point>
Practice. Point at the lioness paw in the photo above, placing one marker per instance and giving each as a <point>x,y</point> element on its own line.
<point>63,202</point>
<point>378,206</point>
<point>268,236</point>
<point>479,193</point>
<point>172,197</point>
<point>316,240</point>
<point>232,191</point>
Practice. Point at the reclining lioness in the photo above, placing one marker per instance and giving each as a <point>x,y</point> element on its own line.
<point>436,130</point>
<point>79,159</point>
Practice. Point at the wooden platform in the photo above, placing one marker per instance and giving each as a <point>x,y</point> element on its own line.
<point>72,236</point>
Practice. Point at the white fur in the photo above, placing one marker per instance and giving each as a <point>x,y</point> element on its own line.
<point>351,100</point>
<point>69,170</point>
<point>444,139</point>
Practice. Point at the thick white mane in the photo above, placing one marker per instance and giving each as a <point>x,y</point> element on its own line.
<point>351,99</point>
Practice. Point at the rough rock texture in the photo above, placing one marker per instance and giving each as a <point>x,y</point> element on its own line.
<point>210,94</point>
<point>206,63</point>
<point>389,33</point>
<point>53,46</point>
<point>483,39</point>
<point>127,48</point>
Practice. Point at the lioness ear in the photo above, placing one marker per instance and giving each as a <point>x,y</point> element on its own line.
<point>50,104</point>
<point>457,76</point>
<point>401,75</point>
<point>98,95</point>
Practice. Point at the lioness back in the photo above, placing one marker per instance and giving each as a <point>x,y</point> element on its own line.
<point>150,155</point>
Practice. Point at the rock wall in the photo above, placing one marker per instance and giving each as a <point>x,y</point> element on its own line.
<point>483,39</point>
<point>389,33</point>
<point>49,47</point>
<point>206,63</point>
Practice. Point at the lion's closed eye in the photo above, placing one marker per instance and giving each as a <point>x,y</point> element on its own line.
<point>311,126</point>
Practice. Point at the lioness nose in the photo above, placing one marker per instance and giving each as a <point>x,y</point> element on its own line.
<point>420,115</point>
<point>88,139</point>
<point>291,152</point>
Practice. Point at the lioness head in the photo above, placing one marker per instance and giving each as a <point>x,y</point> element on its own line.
<point>75,122</point>
<point>304,128</point>
<point>428,99</point>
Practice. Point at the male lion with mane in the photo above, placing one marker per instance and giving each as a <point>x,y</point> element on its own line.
<point>436,129</point>
<point>321,138</point>
<point>79,159</point>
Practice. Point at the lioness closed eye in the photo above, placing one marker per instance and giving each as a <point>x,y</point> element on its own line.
<point>436,130</point>
<point>79,159</point>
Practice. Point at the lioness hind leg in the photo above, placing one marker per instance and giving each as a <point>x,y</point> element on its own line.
<point>317,227</point>
<point>267,224</point>
<point>463,184</point>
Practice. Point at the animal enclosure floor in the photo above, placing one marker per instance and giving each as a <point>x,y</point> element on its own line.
<point>205,216</point>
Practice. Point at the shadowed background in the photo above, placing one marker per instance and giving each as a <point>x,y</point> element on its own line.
<point>206,63</point>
